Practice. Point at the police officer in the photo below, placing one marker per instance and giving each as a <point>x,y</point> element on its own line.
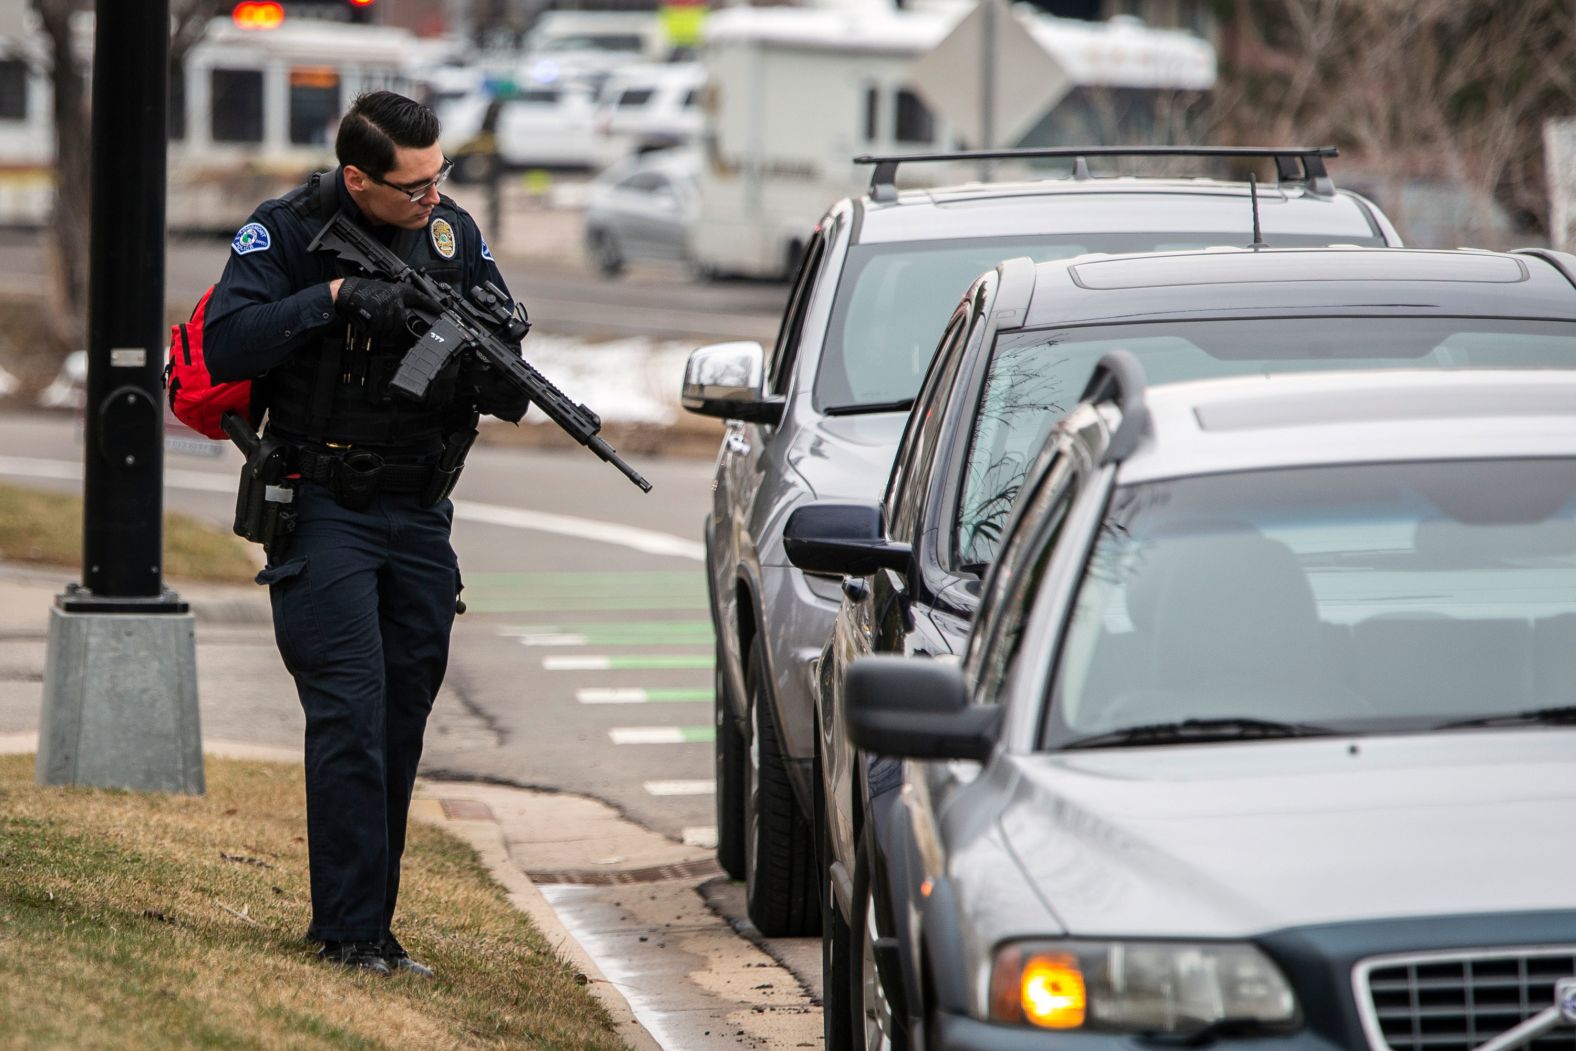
<point>365,583</point>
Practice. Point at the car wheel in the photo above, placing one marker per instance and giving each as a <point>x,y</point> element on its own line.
<point>875,1024</point>
<point>837,1017</point>
<point>730,757</point>
<point>605,255</point>
<point>780,865</point>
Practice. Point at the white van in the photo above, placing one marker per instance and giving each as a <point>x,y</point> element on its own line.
<point>540,125</point>
<point>648,107</point>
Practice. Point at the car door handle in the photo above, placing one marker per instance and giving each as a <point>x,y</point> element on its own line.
<point>736,443</point>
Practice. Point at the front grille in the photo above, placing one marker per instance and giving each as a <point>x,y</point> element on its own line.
<point>1457,1001</point>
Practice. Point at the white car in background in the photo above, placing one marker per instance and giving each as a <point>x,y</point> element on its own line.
<point>647,107</point>
<point>540,125</point>
<point>548,124</point>
<point>642,208</point>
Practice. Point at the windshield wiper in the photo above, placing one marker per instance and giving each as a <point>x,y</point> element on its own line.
<point>901,405</point>
<point>1555,716</point>
<point>1190,731</point>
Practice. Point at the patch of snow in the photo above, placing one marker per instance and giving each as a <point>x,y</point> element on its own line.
<point>628,380</point>
<point>69,388</point>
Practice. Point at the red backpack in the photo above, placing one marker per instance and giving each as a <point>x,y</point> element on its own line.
<point>195,398</point>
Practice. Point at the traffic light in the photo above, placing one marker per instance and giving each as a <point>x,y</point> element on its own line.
<point>361,10</point>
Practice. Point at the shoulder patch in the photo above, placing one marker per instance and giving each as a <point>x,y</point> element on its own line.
<point>253,237</point>
<point>443,237</point>
<point>486,252</point>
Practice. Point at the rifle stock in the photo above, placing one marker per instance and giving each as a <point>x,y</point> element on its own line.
<point>459,326</point>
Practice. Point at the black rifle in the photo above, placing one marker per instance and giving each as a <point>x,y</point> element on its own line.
<point>463,324</point>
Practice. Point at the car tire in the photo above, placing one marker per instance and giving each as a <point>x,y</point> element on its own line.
<point>876,1024</point>
<point>731,787</point>
<point>605,254</point>
<point>837,979</point>
<point>780,876</point>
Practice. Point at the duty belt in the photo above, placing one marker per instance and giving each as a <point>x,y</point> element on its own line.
<point>355,476</point>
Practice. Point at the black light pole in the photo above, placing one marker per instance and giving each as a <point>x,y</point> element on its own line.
<point>120,690</point>
<point>122,535</point>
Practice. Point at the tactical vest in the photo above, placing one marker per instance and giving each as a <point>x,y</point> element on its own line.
<point>339,396</point>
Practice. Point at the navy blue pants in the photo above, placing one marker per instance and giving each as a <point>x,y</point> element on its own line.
<point>363,603</point>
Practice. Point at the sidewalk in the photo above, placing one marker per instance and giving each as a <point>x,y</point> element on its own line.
<point>669,968</point>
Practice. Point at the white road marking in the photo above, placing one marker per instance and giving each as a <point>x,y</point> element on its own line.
<point>576,663</point>
<point>680,788</point>
<point>646,735</point>
<point>552,640</point>
<point>648,541</point>
<point>607,695</point>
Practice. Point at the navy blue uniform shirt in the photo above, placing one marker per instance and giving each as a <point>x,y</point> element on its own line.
<point>273,297</point>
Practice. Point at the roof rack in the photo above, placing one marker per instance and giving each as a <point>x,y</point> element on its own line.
<point>1288,161</point>
<point>1119,378</point>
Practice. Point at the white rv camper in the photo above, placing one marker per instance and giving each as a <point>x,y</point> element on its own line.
<point>794,94</point>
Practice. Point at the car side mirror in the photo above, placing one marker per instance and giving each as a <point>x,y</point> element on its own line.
<point>842,539</point>
<point>916,708</point>
<point>728,381</point>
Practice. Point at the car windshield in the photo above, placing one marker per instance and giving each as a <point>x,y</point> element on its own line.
<point>893,301</point>
<point>1370,598</point>
<point>1035,377</point>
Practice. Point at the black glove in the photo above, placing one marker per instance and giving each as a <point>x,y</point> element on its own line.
<point>493,394</point>
<point>380,308</point>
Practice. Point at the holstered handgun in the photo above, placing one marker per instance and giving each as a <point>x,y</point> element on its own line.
<point>446,472</point>
<point>263,505</point>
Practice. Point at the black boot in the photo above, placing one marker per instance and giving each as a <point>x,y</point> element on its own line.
<point>399,961</point>
<point>355,956</point>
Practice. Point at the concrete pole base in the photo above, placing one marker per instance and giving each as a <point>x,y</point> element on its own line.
<point>120,703</point>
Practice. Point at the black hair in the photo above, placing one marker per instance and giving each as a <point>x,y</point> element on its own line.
<point>376,123</point>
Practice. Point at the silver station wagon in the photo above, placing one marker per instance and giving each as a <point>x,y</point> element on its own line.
<point>1263,735</point>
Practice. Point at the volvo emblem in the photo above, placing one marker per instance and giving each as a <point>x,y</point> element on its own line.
<point>1565,998</point>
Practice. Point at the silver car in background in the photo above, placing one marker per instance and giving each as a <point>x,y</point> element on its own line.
<point>640,210</point>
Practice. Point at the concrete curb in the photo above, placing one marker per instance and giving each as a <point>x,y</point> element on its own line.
<point>487,839</point>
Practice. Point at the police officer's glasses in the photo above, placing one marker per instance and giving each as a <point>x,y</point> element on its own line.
<point>416,193</point>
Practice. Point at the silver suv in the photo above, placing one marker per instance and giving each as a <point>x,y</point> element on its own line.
<point>821,415</point>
